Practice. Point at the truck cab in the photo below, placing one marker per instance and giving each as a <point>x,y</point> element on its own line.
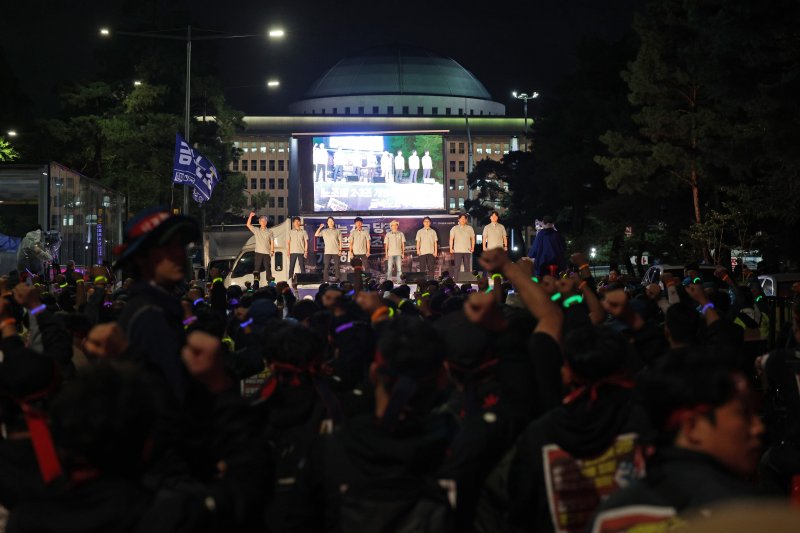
<point>242,271</point>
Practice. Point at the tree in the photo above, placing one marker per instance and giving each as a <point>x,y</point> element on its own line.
<point>259,200</point>
<point>679,120</point>
<point>7,152</point>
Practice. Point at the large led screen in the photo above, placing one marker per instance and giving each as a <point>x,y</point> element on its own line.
<point>378,172</point>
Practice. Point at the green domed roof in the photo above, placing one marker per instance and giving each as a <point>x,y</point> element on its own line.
<point>398,70</point>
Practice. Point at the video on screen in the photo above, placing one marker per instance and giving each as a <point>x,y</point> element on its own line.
<point>378,172</point>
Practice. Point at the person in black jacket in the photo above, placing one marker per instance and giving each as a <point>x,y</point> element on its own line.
<point>708,444</point>
<point>575,456</point>
<point>376,473</point>
<point>154,251</point>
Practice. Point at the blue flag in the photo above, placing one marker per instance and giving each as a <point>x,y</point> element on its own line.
<point>192,168</point>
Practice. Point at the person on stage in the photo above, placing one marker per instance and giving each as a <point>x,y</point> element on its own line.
<point>427,247</point>
<point>338,164</point>
<point>399,166</point>
<point>494,234</point>
<point>265,246</point>
<point>427,166</point>
<point>386,167</point>
<point>359,242</point>
<point>298,246</point>
<point>320,162</point>
<point>462,244</point>
<point>413,166</point>
<point>333,248</point>
<point>372,163</point>
<point>395,245</point>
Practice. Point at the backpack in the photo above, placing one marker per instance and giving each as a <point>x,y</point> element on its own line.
<point>396,505</point>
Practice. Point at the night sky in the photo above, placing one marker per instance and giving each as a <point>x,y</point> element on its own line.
<point>527,45</point>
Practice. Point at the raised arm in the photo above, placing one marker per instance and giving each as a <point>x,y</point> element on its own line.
<point>250,220</point>
<point>549,316</point>
<point>319,230</point>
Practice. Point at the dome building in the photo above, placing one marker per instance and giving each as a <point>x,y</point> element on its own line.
<point>388,92</point>
<point>397,80</point>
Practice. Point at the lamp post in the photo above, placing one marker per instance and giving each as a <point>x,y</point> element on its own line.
<point>525,97</point>
<point>274,33</point>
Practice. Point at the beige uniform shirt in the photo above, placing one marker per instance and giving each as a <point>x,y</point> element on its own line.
<point>359,239</point>
<point>263,239</point>
<point>297,241</point>
<point>462,238</point>
<point>493,235</point>
<point>427,239</point>
<point>395,243</point>
<point>332,239</point>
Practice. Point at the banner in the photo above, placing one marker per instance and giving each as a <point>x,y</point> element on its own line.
<point>190,167</point>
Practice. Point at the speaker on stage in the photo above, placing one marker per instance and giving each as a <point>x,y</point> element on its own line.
<point>465,277</point>
<point>414,277</point>
<point>308,277</point>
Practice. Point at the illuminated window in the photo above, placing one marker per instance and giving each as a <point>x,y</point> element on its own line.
<point>461,203</point>
<point>263,148</point>
<point>253,183</point>
<point>452,203</point>
<point>272,183</point>
<point>505,148</point>
<point>479,148</point>
<point>461,185</point>
<point>281,165</point>
<point>452,185</point>
<point>488,148</point>
<point>68,220</point>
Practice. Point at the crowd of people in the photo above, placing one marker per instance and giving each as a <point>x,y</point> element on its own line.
<point>529,400</point>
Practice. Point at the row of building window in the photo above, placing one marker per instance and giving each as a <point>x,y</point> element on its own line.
<point>461,185</point>
<point>479,148</point>
<point>376,110</point>
<point>263,147</point>
<point>254,182</point>
<point>453,203</point>
<point>253,165</point>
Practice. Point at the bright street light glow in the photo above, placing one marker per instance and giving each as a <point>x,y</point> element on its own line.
<point>514,94</point>
<point>12,133</point>
<point>273,83</point>
<point>137,83</point>
<point>276,33</point>
<point>104,31</point>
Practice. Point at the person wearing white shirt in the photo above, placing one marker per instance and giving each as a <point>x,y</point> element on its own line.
<point>372,163</point>
<point>462,244</point>
<point>386,167</point>
<point>399,166</point>
<point>395,245</point>
<point>338,163</point>
<point>320,162</point>
<point>494,234</point>
<point>413,166</point>
<point>427,247</point>
<point>427,166</point>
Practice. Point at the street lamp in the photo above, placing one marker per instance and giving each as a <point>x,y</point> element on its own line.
<point>273,83</point>
<point>136,83</point>
<point>188,38</point>
<point>12,133</point>
<point>525,97</point>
